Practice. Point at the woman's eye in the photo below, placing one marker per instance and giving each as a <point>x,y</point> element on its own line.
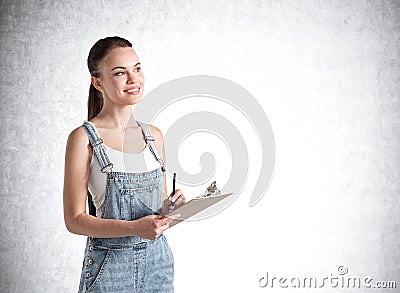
<point>138,69</point>
<point>120,73</point>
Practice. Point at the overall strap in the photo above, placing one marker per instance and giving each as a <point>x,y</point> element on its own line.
<point>150,140</point>
<point>97,145</point>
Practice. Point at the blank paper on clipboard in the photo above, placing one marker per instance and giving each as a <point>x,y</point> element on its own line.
<point>195,206</point>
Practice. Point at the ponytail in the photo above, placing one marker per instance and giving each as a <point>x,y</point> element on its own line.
<point>95,102</point>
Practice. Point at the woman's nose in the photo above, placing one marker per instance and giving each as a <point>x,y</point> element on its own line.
<point>132,78</point>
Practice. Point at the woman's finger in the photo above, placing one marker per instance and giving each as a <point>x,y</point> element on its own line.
<point>165,220</point>
<point>177,195</point>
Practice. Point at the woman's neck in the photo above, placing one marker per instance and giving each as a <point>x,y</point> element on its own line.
<point>116,117</point>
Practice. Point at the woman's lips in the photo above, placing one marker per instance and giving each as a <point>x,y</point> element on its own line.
<point>133,91</point>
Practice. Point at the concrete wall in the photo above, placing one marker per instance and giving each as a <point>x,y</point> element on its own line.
<point>327,74</point>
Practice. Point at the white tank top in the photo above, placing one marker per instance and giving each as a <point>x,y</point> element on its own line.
<point>122,162</point>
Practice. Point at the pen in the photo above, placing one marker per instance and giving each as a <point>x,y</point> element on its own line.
<point>173,192</point>
<point>173,187</point>
<point>173,183</point>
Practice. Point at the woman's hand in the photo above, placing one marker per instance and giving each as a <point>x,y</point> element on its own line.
<point>151,226</point>
<point>173,201</point>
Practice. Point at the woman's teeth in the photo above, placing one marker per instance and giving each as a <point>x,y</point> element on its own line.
<point>133,91</point>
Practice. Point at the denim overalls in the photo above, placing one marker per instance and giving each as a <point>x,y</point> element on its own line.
<point>128,264</point>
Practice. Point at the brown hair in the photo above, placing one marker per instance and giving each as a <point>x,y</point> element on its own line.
<point>99,50</point>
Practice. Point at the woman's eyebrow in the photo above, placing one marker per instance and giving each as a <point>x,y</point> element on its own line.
<point>122,67</point>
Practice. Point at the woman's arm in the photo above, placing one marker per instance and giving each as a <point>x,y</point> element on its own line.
<point>76,176</point>
<point>159,140</point>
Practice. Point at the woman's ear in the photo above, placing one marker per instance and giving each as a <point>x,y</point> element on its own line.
<point>96,83</point>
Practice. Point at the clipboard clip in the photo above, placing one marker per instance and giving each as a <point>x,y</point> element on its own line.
<point>211,190</point>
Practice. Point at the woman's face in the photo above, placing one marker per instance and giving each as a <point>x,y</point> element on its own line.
<point>121,80</point>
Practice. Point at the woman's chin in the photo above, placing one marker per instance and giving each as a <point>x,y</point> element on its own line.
<point>137,101</point>
<point>134,100</point>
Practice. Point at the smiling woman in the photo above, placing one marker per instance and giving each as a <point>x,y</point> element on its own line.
<point>126,249</point>
<point>122,77</point>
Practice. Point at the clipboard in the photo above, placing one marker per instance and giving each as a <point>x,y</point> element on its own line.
<point>195,206</point>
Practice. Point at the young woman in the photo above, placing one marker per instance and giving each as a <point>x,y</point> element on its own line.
<point>120,162</point>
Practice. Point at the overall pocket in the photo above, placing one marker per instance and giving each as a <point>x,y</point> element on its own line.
<point>95,263</point>
<point>140,202</point>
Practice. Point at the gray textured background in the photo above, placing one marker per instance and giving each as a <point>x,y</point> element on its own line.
<point>327,74</point>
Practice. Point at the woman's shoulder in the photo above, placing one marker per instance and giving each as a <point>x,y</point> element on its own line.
<point>156,132</point>
<point>78,137</point>
<point>78,152</point>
